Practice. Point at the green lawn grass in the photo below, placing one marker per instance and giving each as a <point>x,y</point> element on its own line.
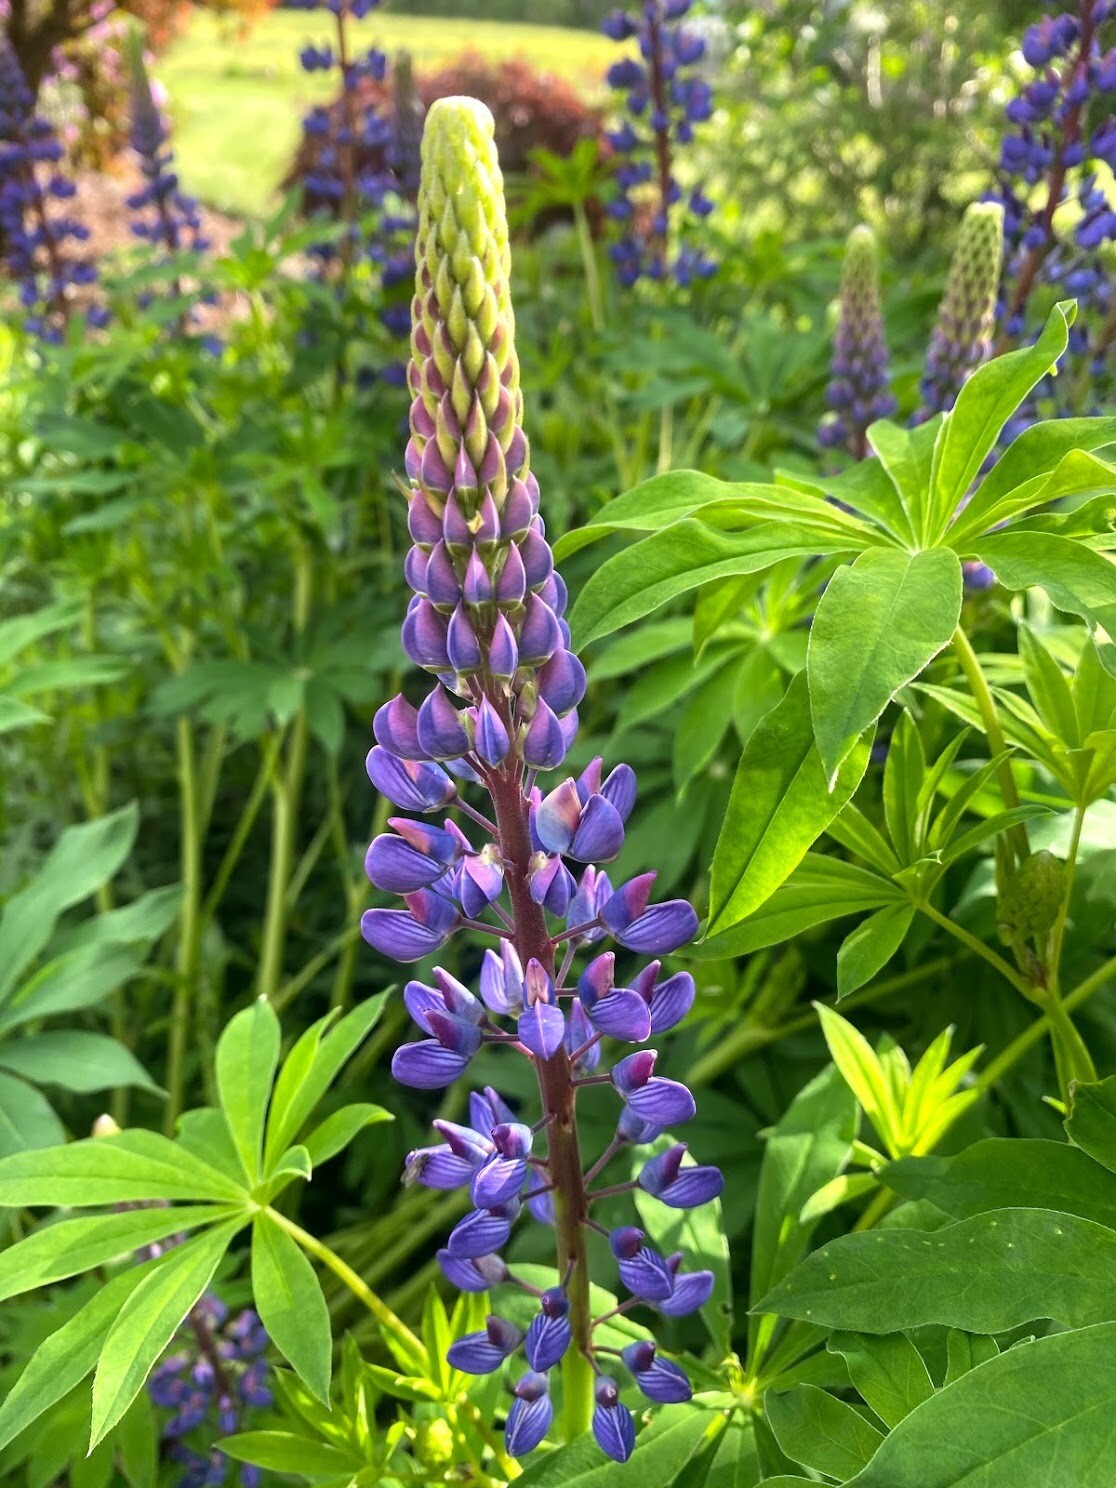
<point>237,100</point>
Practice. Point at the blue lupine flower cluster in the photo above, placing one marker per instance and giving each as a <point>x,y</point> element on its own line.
<point>962,335</point>
<point>217,1375</point>
<point>486,620</point>
<point>348,134</point>
<point>1062,130</point>
<point>859,390</point>
<point>166,217</point>
<point>37,238</point>
<point>665,97</point>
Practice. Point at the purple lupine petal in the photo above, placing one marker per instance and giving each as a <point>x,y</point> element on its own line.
<point>500,1179</point>
<point>660,1379</point>
<point>680,1187</point>
<point>647,1275</point>
<point>424,637</point>
<point>413,785</point>
<point>481,1353</point>
<point>442,587</point>
<point>551,883</point>
<point>501,980</point>
<point>557,818</point>
<point>663,1102</point>
<point>539,636</point>
<point>477,589</point>
<point>395,727</point>
<point>511,586</point>
<point>466,1143</point>
<point>472,1274</point>
<point>548,1336</point>
<point>530,1415</point>
<point>613,1426</point>
<point>690,1292</point>
<point>541,1029</point>
<point>462,644</point>
<point>538,985</point>
<point>541,1205</point>
<point>544,744</point>
<point>660,929</point>
<point>634,1071</point>
<point>622,1014</point>
<point>627,903</point>
<point>632,1128</point>
<point>441,730</point>
<point>600,834</point>
<point>396,867</point>
<point>503,650</point>
<point>562,681</point>
<point>399,934</point>
<point>486,875</point>
<point>593,890</point>
<point>420,1000</point>
<point>487,1110</point>
<point>458,1034</point>
<point>579,1033</point>
<point>438,1167</point>
<point>427,1065</point>
<point>671,1001</point>
<point>482,1231</point>
<point>538,560</point>
<point>457,997</point>
<point>620,790</point>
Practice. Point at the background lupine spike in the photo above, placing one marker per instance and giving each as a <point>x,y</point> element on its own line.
<point>962,334</point>
<point>859,389</point>
<point>500,646</point>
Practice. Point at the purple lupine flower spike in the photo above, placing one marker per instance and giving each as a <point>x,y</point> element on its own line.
<point>500,708</point>
<point>859,389</point>
<point>962,336</point>
<point>165,216</point>
<point>665,96</point>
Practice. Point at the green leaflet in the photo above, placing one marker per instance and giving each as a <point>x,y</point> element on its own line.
<point>290,1303</point>
<point>1041,1408</point>
<point>820,1431</point>
<point>247,1055</point>
<point>1092,1124</point>
<point>780,805</point>
<point>880,622</point>
<point>986,1274</point>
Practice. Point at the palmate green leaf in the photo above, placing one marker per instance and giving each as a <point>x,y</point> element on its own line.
<point>1077,580</point>
<point>700,1235</point>
<point>820,1431</point>
<point>887,1370</point>
<point>16,715</point>
<point>247,1055</point>
<point>72,1246</point>
<point>81,978</point>
<point>984,405</point>
<point>648,574</point>
<point>867,950</point>
<point>310,1069</point>
<point>880,622</point>
<point>128,1167</point>
<point>651,506</point>
<point>21,631</point>
<point>74,1059</point>
<point>907,457</point>
<point>149,1319</point>
<point>819,890</point>
<point>335,1133</point>
<point>809,1146</point>
<point>1092,1121</point>
<point>780,804</point>
<point>83,858</point>
<point>904,777</point>
<point>64,1359</point>
<point>27,1119</point>
<point>141,922</point>
<point>863,1071</point>
<point>1047,456</point>
<point>985,1275</point>
<point>628,653</point>
<point>1040,1413</point>
<point>291,1306</point>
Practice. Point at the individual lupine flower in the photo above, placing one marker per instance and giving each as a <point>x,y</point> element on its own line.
<point>962,334</point>
<point>486,622</point>
<point>37,236</point>
<point>665,97</point>
<point>209,1385</point>
<point>859,389</point>
<point>165,215</point>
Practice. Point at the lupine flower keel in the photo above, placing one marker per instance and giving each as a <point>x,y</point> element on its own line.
<point>486,621</point>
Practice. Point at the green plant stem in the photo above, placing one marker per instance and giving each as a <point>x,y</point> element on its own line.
<point>187,953</point>
<point>241,832</point>
<point>286,792</point>
<point>967,938</point>
<point>1058,933</point>
<point>666,439</point>
<point>294,985</point>
<point>1032,1035</point>
<point>997,743</point>
<point>589,267</point>
<point>881,1203</point>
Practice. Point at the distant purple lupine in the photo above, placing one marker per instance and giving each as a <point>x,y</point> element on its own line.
<point>38,236</point>
<point>486,621</point>
<point>962,335</point>
<point>165,216</point>
<point>665,96</point>
<point>859,389</point>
